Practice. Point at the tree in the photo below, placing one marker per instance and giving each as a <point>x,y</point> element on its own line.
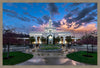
<point>57,39</point>
<point>53,40</point>
<point>93,39</point>
<point>8,39</point>
<point>79,42</point>
<point>11,38</point>
<point>43,39</point>
<point>32,39</point>
<point>89,39</point>
<point>69,40</point>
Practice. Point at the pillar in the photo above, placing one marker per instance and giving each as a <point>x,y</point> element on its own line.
<point>60,40</point>
<point>63,39</point>
<point>40,40</point>
<point>75,39</point>
<point>36,40</point>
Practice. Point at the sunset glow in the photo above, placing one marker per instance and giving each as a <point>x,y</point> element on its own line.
<point>31,18</point>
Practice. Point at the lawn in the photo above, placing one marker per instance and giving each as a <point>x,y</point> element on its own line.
<point>17,57</point>
<point>78,56</point>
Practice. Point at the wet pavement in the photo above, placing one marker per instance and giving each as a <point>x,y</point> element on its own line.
<point>51,61</point>
<point>50,58</point>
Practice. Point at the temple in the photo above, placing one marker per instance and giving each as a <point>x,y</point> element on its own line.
<point>50,33</point>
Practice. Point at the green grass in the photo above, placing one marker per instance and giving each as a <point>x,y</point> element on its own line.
<point>18,57</point>
<point>78,56</point>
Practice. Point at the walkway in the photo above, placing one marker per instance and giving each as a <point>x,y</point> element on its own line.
<point>51,61</point>
<point>50,58</point>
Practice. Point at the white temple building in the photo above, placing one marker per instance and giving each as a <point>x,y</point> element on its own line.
<point>49,33</point>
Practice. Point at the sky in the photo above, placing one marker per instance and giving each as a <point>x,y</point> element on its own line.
<point>27,17</point>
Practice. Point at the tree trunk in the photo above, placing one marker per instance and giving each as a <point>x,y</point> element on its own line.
<point>92,48</point>
<point>8,51</point>
<point>31,42</point>
<point>5,48</point>
<point>54,40</point>
<point>87,49</point>
<point>47,40</point>
<point>68,44</point>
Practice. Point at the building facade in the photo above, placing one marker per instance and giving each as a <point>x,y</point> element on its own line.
<point>50,33</point>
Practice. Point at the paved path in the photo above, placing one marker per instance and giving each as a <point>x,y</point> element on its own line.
<point>51,61</point>
<point>54,58</point>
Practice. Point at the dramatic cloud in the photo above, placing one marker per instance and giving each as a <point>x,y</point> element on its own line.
<point>75,11</point>
<point>26,13</point>
<point>65,16</point>
<point>53,9</point>
<point>75,4</point>
<point>46,18</point>
<point>65,26</point>
<point>84,12</point>
<point>69,20</point>
<point>87,20</point>
<point>40,28</point>
<point>39,21</point>
<point>24,19</point>
<point>56,23</point>
<point>84,16</point>
<point>12,13</point>
<point>68,15</point>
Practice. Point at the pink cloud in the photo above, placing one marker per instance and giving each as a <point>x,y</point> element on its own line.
<point>34,26</point>
<point>78,31</point>
<point>41,27</point>
<point>64,26</point>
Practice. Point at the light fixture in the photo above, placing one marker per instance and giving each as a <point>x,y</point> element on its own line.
<point>34,42</point>
<point>40,42</point>
<point>50,37</point>
<point>59,42</point>
<point>65,42</point>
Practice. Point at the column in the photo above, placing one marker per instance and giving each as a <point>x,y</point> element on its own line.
<point>60,40</point>
<point>63,39</point>
<point>75,39</point>
<point>36,40</point>
<point>40,40</point>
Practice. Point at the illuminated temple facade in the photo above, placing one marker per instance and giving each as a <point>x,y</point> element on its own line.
<point>49,33</point>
